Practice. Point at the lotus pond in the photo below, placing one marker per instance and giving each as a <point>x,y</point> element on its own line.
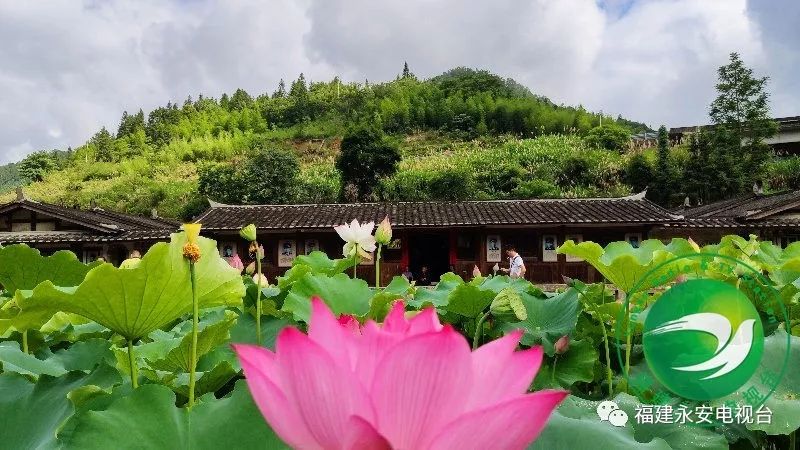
<point>98,357</point>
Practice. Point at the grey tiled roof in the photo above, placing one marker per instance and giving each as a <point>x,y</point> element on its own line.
<point>633,210</point>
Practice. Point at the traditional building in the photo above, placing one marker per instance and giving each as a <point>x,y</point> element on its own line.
<point>444,236</point>
<point>773,217</point>
<point>785,142</point>
<point>89,233</point>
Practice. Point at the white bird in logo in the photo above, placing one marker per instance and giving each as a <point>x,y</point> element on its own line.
<point>730,353</point>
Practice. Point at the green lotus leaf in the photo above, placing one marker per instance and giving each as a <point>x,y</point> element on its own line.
<point>208,381</point>
<point>84,355</point>
<point>785,400</point>
<point>148,418</point>
<point>134,302</point>
<point>341,293</point>
<point>439,295</point>
<point>576,425</point>
<point>500,282</point>
<point>574,366</point>
<point>548,319</point>
<point>22,267</point>
<point>15,360</point>
<point>468,300</point>
<point>319,262</point>
<point>208,338</point>
<point>399,286</point>
<point>31,412</point>
<point>626,266</point>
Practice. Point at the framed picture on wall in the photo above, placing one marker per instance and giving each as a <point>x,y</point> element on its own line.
<point>634,239</point>
<point>494,247</point>
<point>549,245</point>
<point>312,245</point>
<point>287,250</point>
<point>227,249</point>
<point>395,244</point>
<point>577,238</point>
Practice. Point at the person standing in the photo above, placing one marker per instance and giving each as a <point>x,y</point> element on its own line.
<point>516,267</point>
<point>424,277</point>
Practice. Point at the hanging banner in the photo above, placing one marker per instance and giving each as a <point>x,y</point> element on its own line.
<point>312,245</point>
<point>549,244</point>
<point>493,248</point>
<point>287,250</point>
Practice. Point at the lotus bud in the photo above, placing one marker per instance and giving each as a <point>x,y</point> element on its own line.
<point>476,272</point>
<point>192,231</point>
<point>263,282</point>
<point>496,268</point>
<point>248,233</point>
<point>562,344</point>
<point>236,262</point>
<point>694,244</point>
<point>383,235</point>
<point>508,305</point>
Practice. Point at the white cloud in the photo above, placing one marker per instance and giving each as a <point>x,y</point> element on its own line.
<point>71,67</point>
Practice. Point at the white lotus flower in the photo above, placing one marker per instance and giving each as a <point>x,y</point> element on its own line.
<point>357,236</point>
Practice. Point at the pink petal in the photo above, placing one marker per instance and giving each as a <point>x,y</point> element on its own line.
<point>325,393</point>
<point>361,435</point>
<point>425,322</point>
<point>420,385</point>
<point>395,321</point>
<point>325,330</point>
<point>372,346</point>
<point>259,368</point>
<point>513,424</point>
<point>350,323</point>
<point>502,373</point>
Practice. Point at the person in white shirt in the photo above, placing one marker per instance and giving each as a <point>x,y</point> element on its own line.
<point>516,265</point>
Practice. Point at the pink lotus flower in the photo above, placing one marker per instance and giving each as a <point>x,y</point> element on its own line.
<point>408,384</point>
<point>236,262</point>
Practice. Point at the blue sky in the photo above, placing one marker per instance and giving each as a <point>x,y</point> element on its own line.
<point>70,67</point>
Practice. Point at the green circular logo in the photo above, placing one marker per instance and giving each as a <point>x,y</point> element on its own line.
<point>703,339</point>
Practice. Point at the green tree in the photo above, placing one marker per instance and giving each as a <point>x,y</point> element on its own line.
<point>103,144</point>
<point>638,172</point>
<point>663,185</point>
<point>699,173</point>
<point>36,165</point>
<point>406,72</point>
<point>130,124</point>
<point>609,137</point>
<point>740,113</point>
<point>281,91</point>
<point>267,175</point>
<point>366,157</point>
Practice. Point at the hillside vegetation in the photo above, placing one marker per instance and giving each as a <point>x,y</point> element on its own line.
<point>463,134</point>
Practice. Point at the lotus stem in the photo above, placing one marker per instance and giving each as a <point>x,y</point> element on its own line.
<point>553,371</point>
<point>258,298</point>
<point>132,363</point>
<point>476,340</point>
<point>355,261</point>
<point>195,314</point>
<point>378,267</point>
<point>628,339</point>
<point>25,341</point>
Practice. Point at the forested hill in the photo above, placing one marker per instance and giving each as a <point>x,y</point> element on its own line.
<point>157,160</point>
